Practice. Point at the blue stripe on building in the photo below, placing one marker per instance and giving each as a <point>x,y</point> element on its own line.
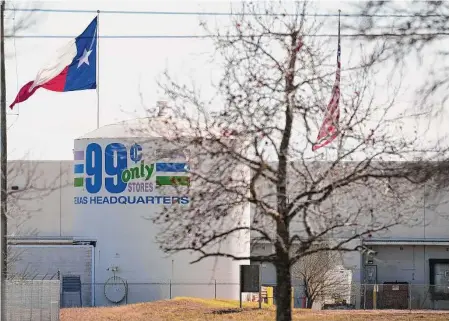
<point>79,169</point>
<point>171,167</point>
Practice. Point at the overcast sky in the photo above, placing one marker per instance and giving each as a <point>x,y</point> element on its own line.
<point>45,126</point>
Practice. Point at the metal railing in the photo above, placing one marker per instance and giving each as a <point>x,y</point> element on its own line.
<point>122,292</point>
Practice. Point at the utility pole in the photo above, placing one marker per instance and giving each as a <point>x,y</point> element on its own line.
<point>3,166</point>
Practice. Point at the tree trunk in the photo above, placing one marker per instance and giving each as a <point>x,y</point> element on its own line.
<point>283,291</point>
<point>309,302</point>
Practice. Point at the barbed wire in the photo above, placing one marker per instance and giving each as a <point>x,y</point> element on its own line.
<point>356,35</point>
<point>199,13</point>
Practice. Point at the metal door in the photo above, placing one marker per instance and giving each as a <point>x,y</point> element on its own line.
<point>441,277</point>
<point>370,274</point>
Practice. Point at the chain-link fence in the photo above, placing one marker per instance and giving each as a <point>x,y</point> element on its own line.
<point>353,296</point>
<point>39,300</point>
<point>405,296</point>
<point>32,300</point>
<point>119,292</point>
<point>397,296</point>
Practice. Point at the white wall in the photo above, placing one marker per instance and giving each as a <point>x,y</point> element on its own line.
<point>126,234</point>
<point>409,264</point>
<point>422,212</point>
<point>44,202</point>
<point>49,204</point>
<point>124,238</point>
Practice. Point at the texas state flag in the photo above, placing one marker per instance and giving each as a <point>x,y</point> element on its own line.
<point>74,69</point>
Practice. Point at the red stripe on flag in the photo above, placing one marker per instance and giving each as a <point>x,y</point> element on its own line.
<point>329,128</point>
<point>24,93</point>
<point>57,83</point>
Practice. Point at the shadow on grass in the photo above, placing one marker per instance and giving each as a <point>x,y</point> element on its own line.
<point>226,311</point>
<point>232,310</point>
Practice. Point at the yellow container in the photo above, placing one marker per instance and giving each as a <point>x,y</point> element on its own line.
<point>293,297</point>
<point>270,296</point>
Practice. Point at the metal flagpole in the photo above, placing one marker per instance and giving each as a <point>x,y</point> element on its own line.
<point>98,69</point>
<point>340,140</point>
<point>339,67</point>
<point>332,109</point>
<point>3,167</point>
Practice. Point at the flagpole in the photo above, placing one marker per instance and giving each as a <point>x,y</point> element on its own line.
<point>332,111</point>
<point>98,69</point>
<point>339,13</point>
<point>339,62</point>
<point>3,169</point>
<point>340,140</point>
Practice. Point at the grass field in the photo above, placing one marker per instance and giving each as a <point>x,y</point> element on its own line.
<point>190,309</point>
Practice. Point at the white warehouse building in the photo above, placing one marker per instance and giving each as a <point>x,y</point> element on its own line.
<point>75,218</point>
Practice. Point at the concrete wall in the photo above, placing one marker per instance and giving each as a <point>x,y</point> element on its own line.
<point>38,262</point>
<point>33,300</point>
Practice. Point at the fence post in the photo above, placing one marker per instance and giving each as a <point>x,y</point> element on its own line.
<point>410,297</point>
<point>31,284</point>
<point>170,289</point>
<point>61,299</point>
<point>215,289</point>
<point>364,296</point>
<point>127,291</point>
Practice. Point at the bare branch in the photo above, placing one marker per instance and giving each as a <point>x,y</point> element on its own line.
<point>253,177</point>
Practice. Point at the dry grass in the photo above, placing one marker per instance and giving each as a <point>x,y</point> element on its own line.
<point>190,309</point>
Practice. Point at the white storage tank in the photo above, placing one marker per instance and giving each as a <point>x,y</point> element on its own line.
<point>122,175</point>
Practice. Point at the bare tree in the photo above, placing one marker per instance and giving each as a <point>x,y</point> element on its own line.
<point>321,276</point>
<point>19,17</point>
<point>413,34</point>
<point>251,167</point>
<point>18,219</point>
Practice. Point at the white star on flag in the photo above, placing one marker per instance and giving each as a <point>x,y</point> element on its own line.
<point>84,59</point>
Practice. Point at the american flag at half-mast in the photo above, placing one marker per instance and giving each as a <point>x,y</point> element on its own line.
<point>329,128</point>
